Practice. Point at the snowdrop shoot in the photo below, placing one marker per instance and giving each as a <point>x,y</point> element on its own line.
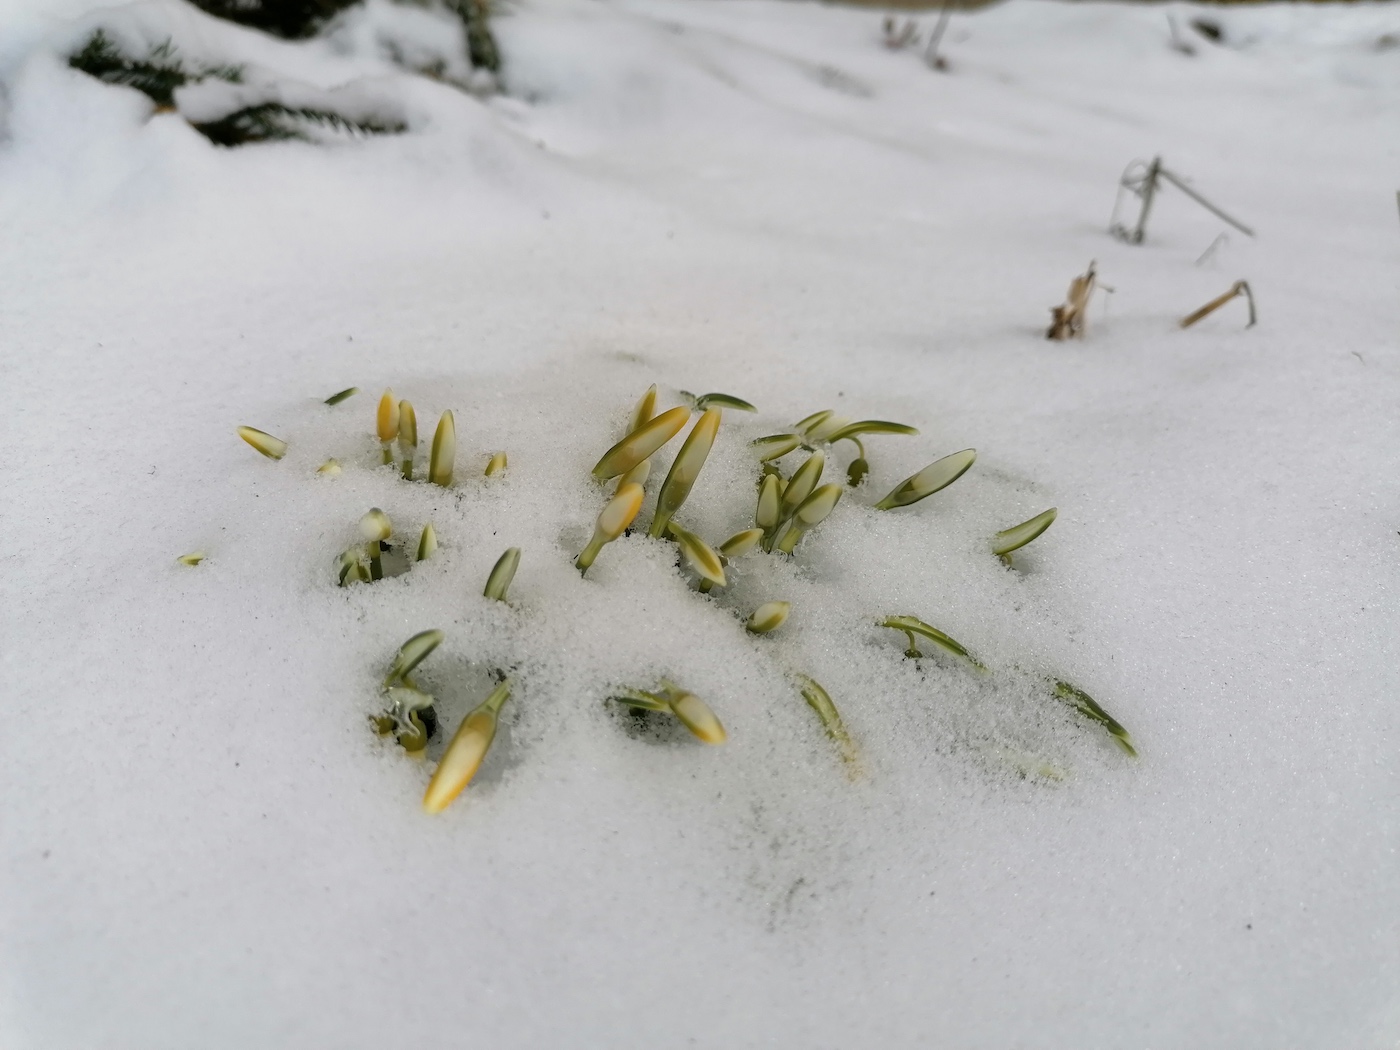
<point>1016,537</point>
<point>463,756</point>
<point>612,523</point>
<point>502,573</point>
<point>269,446</point>
<point>444,451</point>
<point>935,476</point>
<point>768,617</point>
<point>640,444</point>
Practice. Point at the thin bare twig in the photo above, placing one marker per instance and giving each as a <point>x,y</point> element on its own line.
<point>1237,289</point>
<point>931,55</point>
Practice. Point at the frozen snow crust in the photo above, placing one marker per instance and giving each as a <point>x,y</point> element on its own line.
<point>204,844</point>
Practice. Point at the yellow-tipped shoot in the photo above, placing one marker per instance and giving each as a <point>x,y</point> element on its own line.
<point>912,627</point>
<point>694,714</point>
<point>386,423</point>
<point>375,528</point>
<point>269,446</point>
<point>612,523</point>
<point>502,573</point>
<point>699,555</point>
<point>463,756</point>
<point>444,452</point>
<point>497,465</point>
<point>193,558</point>
<point>768,617</point>
<point>819,700</point>
<point>641,443</point>
<point>427,542</point>
<point>348,392</point>
<point>330,468</point>
<point>1016,537</point>
<point>408,437</point>
<point>937,475</point>
<point>685,469</point>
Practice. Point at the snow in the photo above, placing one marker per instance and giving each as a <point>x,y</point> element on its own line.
<point>205,844</point>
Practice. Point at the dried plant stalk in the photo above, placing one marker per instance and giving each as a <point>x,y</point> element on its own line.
<point>1237,289</point>
<point>1072,318</point>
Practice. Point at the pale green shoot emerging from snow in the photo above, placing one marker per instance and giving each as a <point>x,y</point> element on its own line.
<point>640,444</point>
<point>705,401</point>
<point>1089,708</point>
<point>427,542</point>
<point>1016,537</point>
<point>912,627</point>
<point>191,559</point>
<point>504,571</point>
<point>408,437</point>
<point>412,653</point>
<point>820,701</point>
<point>685,469</point>
<point>811,513</point>
<point>775,446</point>
<point>269,446</point>
<point>612,523</point>
<point>497,465</point>
<point>935,476</point>
<point>348,392</point>
<point>444,453</point>
<point>768,617</point>
<point>699,555</point>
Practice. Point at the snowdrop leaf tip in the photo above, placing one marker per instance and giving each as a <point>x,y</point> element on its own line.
<point>768,617</point>
<point>775,446</point>
<point>1016,537</point>
<point>680,479</point>
<point>427,542</point>
<point>705,401</point>
<point>412,653</point>
<point>699,555</point>
<point>937,475</point>
<point>913,626</point>
<point>1087,706</point>
<point>269,446</point>
<point>641,443</point>
<point>498,583</point>
<point>444,451</point>
<point>348,392</point>
<point>193,558</point>
<point>497,465</point>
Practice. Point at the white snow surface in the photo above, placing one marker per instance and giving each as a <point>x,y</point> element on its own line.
<point>204,844</point>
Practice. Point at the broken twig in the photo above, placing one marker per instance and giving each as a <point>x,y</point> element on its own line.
<point>1237,289</point>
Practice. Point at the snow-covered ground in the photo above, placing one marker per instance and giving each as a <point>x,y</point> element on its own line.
<point>204,844</point>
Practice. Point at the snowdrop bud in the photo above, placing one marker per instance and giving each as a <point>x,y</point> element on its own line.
<point>387,419</point>
<point>740,543</point>
<point>696,716</point>
<point>686,468</point>
<point>699,555</point>
<point>408,426</point>
<point>497,465</point>
<point>816,419</point>
<point>444,451</point>
<point>803,481</point>
<point>768,617</point>
<point>501,574</point>
<point>612,522</point>
<point>463,756</point>
<point>775,445</point>
<point>427,543</point>
<point>1016,537</point>
<point>269,446</point>
<point>769,502</point>
<point>641,443</point>
<point>937,475</point>
<point>374,526</point>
